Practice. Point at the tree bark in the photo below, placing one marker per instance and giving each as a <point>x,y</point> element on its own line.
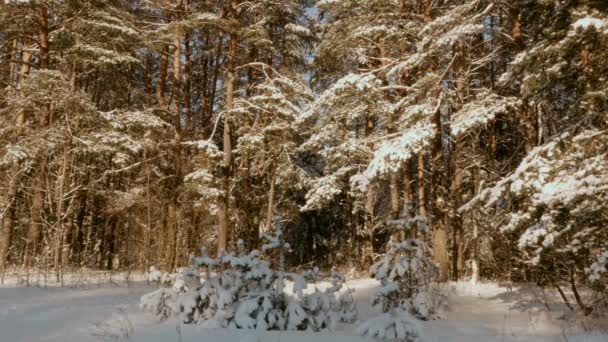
<point>36,218</point>
<point>148,80</point>
<point>440,251</point>
<point>227,144</point>
<point>7,223</point>
<point>25,70</point>
<point>177,78</point>
<point>421,186</point>
<point>370,201</point>
<point>187,70</point>
<point>270,209</point>
<point>427,9</point>
<point>162,78</point>
<point>216,75</point>
<point>390,129</point>
<point>43,22</point>
<point>457,231</point>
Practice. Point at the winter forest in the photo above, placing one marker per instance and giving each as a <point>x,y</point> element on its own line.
<point>286,164</point>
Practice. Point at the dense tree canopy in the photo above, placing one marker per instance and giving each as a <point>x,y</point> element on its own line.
<point>132,132</point>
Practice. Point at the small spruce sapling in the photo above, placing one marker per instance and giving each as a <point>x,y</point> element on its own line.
<point>242,291</point>
<point>404,272</point>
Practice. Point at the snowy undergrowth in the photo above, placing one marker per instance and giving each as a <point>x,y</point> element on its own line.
<point>477,313</point>
<point>241,290</point>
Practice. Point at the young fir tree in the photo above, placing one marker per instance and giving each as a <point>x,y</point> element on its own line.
<point>404,272</point>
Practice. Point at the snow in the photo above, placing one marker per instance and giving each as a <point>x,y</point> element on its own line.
<point>480,112</point>
<point>482,312</point>
<point>598,268</point>
<point>298,29</point>
<point>325,189</point>
<point>585,23</point>
<point>392,154</point>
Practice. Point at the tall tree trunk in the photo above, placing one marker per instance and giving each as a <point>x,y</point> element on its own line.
<point>457,231</point>
<point>390,129</point>
<point>204,94</point>
<point>172,235</point>
<point>516,28</point>
<point>148,80</point>
<point>475,239</point>
<point>177,81</point>
<point>440,250</point>
<point>26,57</point>
<point>227,162</point>
<point>43,22</point>
<point>14,53</point>
<point>173,208</point>
<point>421,185</point>
<point>162,78</point>
<point>7,223</point>
<point>408,201</point>
<point>370,201</point>
<point>456,182</point>
<point>40,180</point>
<point>36,218</point>
<point>368,249</point>
<point>427,10</point>
<point>441,211</point>
<point>8,217</point>
<point>187,82</point>
<point>214,83</point>
<point>270,210</point>
<point>59,224</point>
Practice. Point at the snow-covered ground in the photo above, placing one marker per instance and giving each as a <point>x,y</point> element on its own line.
<point>483,312</point>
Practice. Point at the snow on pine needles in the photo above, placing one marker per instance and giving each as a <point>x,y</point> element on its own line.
<point>241,290</point>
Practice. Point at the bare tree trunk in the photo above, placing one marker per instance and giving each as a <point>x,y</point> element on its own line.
<point>370,201</point>
<point>454,217</point>
<point>394,186</point>
<point>516,28</point>
<point>457,231</point>
<point>202,123</point>
<point>440,250</point>
<point>43,22</point>
<point>177,78</point>
<point>214,83</point>
<point>148,240</point>
<point>270,210</point>
<point>148,80</point>
<point>59,224</point>
<point>13,66</point>
<point>475,240</point>
<point>21,117</point>
<point>7,223</point>
<point>227,162</point>
<point>421,186</point>
<point>162,78</point>
<point>586,309</point>
<point>38,194</point>
<point>408,201</point>
<point>172,234</point>
<point>427,9</point>
<point>187,82</point>
<point>36,219</point>
<point>26,57</point>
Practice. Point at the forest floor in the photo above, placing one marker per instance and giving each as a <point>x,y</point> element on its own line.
<point>110,312</point>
